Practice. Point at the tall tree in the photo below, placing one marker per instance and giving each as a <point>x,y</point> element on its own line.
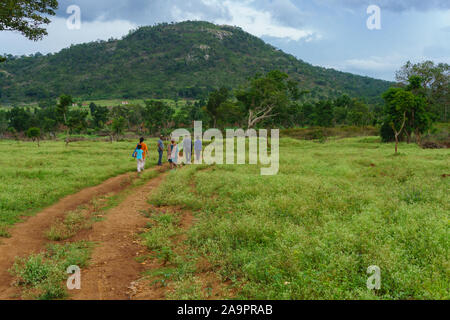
<point>216,99</point>
<point>419,118</point>
<point>63,106</point>
<point>264,96</point>
<point>158,116</point>
<point>398,104</point>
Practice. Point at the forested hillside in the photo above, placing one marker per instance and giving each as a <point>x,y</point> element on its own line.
<point>184,60</point>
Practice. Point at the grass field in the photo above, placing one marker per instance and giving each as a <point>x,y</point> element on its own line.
<point>32,178</point>
<point>310,232</point>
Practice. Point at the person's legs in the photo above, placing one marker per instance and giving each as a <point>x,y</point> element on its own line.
<point>188,156</point>
<point>138,166</point>
<point>160,158</point>
<point>143,165</point>
<point>197,156</point>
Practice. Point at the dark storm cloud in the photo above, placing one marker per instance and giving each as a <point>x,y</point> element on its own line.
<point>392,5</point>
<point>286,12</point>
<point>141,11</point>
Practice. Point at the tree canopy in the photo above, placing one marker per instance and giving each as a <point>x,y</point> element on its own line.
<point>27,16</point>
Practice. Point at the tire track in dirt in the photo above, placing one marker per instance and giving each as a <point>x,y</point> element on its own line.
<point>113,266</point>
<point>28,237</point>
<point>145,287</point>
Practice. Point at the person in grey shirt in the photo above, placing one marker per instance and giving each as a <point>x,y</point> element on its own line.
<point>160,149</point>
<point>198,149</point>
<point>187,149</point>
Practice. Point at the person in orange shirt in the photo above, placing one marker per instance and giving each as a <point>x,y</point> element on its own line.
<point>144,149</point>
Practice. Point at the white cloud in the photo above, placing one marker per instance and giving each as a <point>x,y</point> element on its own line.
<point>59,36</point>
<point>373,63</point>
<point>258,22</point>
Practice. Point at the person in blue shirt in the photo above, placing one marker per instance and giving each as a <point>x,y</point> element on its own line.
<point>198,150</point>
<point>160,150</point>
<point>139,155</point>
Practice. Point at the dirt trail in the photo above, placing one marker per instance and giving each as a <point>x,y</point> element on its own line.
<point>28,237</point>
<point>113,267</point>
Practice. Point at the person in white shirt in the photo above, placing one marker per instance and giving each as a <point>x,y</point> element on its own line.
<point>187,148</point>
<point>173,154</point>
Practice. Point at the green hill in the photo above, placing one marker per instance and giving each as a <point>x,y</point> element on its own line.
<point>183,60</point>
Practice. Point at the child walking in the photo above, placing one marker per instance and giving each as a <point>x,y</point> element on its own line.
<point>139,155</point>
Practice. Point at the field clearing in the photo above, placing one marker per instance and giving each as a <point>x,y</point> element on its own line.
<point>32,178</point>
<point>312,231</point>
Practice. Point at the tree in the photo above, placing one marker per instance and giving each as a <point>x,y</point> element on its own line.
<point>76,120</point>
<point>230,113</point>
<point>47,120</point>
<point>359,114</point>
<point>34,134</point>
<point>99,115</point>
<point>435,79</point>
<point>264,96</point>
<point>198,112</point>
<point>158,116</point>
<point>50,126</point>
<point>324,113</point>
<point>27,16</point>
<point>419,119</point>
<point>3,122</point>
<point>19,119</point>
<point>386,133</point>
<point>63,106</point>
<point>216,98</point>
<point>398,104</point>
<point>135,117</point>
<point>118,126</point>
<point>342,106</point>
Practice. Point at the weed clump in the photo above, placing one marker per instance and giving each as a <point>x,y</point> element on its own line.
<point>41,276</point>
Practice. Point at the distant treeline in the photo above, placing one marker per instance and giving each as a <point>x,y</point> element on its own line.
<point>272,100</point>
<point>158,117</point>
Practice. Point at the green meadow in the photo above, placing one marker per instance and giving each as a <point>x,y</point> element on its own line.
<point>32,178</point>
<point>312,231</point>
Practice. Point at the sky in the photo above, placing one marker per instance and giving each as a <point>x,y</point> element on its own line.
<point>328,33</point>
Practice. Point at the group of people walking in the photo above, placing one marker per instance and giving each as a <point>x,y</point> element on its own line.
<point>141,152</point>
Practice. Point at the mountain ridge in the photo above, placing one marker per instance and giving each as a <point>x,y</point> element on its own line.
<point>180,60</point>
